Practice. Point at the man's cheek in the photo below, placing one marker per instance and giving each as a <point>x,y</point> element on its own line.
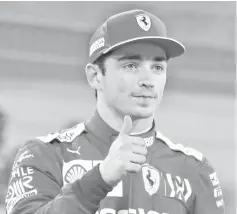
<point>161,83</point>
<point>124,85</point>
<point>122,88</point>
<point>160,92</point>
<point>160,86</point>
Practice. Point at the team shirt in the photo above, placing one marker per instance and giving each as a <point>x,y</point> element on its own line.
<point>59,173</point>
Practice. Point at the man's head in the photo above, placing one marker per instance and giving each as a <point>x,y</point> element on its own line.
<point>128,56</point>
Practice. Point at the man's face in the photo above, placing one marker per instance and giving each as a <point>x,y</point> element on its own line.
<point>135,79</point>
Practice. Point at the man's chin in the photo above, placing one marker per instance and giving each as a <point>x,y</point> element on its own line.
<point>142,113</point>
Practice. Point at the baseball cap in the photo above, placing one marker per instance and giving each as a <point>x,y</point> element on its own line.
<point>130,26</point>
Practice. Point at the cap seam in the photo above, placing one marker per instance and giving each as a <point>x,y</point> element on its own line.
<point>107,34</point>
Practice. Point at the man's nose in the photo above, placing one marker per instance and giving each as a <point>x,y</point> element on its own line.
<point>145,79</point>
<point>146,83</point>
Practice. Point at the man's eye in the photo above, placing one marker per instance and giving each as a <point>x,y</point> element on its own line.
<point>158,68</point>
<point>130,66</point>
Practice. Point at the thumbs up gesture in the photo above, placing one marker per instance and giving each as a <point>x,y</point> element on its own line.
<point>126,155</point>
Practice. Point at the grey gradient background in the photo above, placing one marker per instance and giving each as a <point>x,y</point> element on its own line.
<point>43,52</point>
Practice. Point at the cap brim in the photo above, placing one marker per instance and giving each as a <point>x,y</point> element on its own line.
<point>172,47</point>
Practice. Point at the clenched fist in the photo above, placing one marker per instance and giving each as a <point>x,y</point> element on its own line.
<point>126,154</point>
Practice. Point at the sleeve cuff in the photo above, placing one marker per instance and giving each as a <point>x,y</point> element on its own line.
<point>91,189</point>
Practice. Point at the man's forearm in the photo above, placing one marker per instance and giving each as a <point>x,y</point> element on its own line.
<point>82,196</point>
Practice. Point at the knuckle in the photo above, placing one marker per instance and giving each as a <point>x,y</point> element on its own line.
<point>145,150</point>
<point>134,148</point>
<point>138,167</point>
<point>142,141</point>
<point>142,159</point>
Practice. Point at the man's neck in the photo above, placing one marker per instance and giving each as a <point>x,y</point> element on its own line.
<point>115,120</point>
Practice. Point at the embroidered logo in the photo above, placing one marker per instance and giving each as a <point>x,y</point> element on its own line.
<point>144,22</point>
<point>151,179</point>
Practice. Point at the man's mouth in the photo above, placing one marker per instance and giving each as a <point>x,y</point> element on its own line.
<point>144,96</point>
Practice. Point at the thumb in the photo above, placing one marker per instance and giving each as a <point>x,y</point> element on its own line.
<point>127,126</point>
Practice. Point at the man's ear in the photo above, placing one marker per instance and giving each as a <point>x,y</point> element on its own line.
<point>94,76</point>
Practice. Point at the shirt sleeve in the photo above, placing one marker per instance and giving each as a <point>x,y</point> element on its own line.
<point>208,193</point>
<point>35,185</point>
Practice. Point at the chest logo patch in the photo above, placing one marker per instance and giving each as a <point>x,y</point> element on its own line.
<point>74,173</point>
<point>165,184</point>
<point>151,178</point>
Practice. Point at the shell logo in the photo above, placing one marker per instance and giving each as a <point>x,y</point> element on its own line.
<point>76,169</point>
<point>74,173</point>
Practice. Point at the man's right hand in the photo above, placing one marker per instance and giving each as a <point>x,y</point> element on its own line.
<point>126,154</point>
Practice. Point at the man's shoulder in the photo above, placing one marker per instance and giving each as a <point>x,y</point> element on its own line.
<point>47,152</point>
<point>63,136</point>
<point>188,152</point>
<point>44,146</point>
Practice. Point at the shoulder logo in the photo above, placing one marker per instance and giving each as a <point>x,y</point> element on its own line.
<point>214,179</point>
<point>25,155</point>
<point>180,147</point>
<point>67,135</point>
<point>151,178</point>
<point>144,21</point>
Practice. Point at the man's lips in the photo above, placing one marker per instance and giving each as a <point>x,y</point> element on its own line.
<point>144,96</point>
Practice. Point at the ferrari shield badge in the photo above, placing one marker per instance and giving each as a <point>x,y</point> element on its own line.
<point>144,21</point>
<point>151,178</point>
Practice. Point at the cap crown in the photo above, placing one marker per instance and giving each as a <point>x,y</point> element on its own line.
<point>123,28</point>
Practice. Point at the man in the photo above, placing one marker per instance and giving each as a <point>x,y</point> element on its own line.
<point>117,162</point>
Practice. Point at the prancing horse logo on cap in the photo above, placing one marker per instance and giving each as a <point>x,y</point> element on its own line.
<point>144,21</point>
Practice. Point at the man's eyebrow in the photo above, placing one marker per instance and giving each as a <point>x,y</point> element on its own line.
<point>159,59</point>
<point>130,57</point>
<point>138,57</point>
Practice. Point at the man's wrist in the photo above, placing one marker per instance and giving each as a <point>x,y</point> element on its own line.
<point>91,189</point>
<point>102,173</point>
<point>104,176</point>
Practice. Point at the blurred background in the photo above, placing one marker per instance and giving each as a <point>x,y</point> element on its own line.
<point>43,52</point>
